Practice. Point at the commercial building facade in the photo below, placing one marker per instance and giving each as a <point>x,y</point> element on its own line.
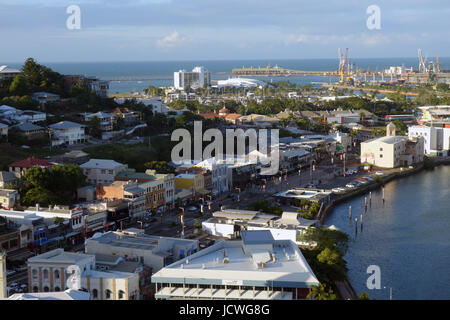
<point>258,267</point>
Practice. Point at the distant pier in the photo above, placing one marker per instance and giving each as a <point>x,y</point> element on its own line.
<point>135,79</point>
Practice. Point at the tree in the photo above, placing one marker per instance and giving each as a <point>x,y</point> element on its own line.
<point>320,292</point>
<point>95,129</point>
<point>159,166</point>
<point>401,127</point>
<point>364,296</point>
<point>329,256</point>
<point>18,85</point>
<point>39,195</point>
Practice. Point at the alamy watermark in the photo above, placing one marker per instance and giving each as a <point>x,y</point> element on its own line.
<point>73,22</point>
<point>374,20</point>
<point>259,148</point>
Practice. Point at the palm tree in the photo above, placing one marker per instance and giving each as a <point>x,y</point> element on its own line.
<point>320,293</point>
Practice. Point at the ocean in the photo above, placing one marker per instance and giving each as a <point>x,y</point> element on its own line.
<point>220,69</point>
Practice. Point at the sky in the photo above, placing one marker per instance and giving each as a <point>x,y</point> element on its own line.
<point>152,30</point>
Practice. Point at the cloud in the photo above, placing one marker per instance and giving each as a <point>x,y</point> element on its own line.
<point>172,40</point>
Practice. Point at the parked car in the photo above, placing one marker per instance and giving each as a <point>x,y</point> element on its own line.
<point>10,272</point>
<point>21,268</point>
<point>378,173</point>
<point>192,209</point>
<point>338,190</point>
<point>350,185</point>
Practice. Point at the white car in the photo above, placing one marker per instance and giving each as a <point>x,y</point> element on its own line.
<point>378,173</point>
<point>9,272</point>
<point>350,185</point>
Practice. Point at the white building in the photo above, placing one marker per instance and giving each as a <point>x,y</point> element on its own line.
<point>258,267</point>
<point>50,272</point>
<point>197,78</point>
<point>153,251</point>
<point>436,139</point>
<point>101,171</point>
<point>67,132</point>
<point>100,87</point>
<point>63,295</point>
<point>436,114</point>
<point>219,174</point>
<point>107,120</point>
<point>230,223</point>
<point>16,115</point>
<point>240,83</point>
<point>395,70</point>
<point>8,73</point>
<point>392,151</point>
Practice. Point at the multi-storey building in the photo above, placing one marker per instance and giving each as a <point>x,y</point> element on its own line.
<point>21,167</point>
<point>9,198</point>
<point>258,267</point>
<point>197,78</point>
<point>57,270</point>
<point>153,251</point>
<point>219,174</point>
<point>392,151</point>
<point>128,191</point>
<point>67,132</point>
<point>101,171</point>
<point>436,139</point>
<point>8,73</point>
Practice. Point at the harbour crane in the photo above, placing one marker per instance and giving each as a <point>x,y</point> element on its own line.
<point>343,64</point>
<point>437,63</point>
<point>422,62</point>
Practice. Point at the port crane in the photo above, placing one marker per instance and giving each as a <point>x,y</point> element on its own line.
<point>342,64</point>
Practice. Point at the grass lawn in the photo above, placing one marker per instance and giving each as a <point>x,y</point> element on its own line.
<point>135,155</point>
<point>10,154</point>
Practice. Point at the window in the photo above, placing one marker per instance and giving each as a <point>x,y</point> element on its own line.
<point>95,293</point>
<point>34,273</point>
<point>381,156</point>
<point>57,289</point>
<point>35,289</point>
<point>56,274</point>
<point>121,294</point>
<point>46,289</point>
<point>45,274</point>
<point>108,294</point>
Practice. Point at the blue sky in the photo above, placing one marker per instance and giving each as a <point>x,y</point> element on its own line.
<point>140,30</point>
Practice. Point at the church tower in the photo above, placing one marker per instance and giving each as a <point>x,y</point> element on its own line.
<point>390,130</point>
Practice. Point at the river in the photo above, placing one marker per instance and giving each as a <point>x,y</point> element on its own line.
<point>408,237</point>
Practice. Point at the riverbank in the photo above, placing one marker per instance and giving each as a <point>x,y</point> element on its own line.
<point>345,288</point>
